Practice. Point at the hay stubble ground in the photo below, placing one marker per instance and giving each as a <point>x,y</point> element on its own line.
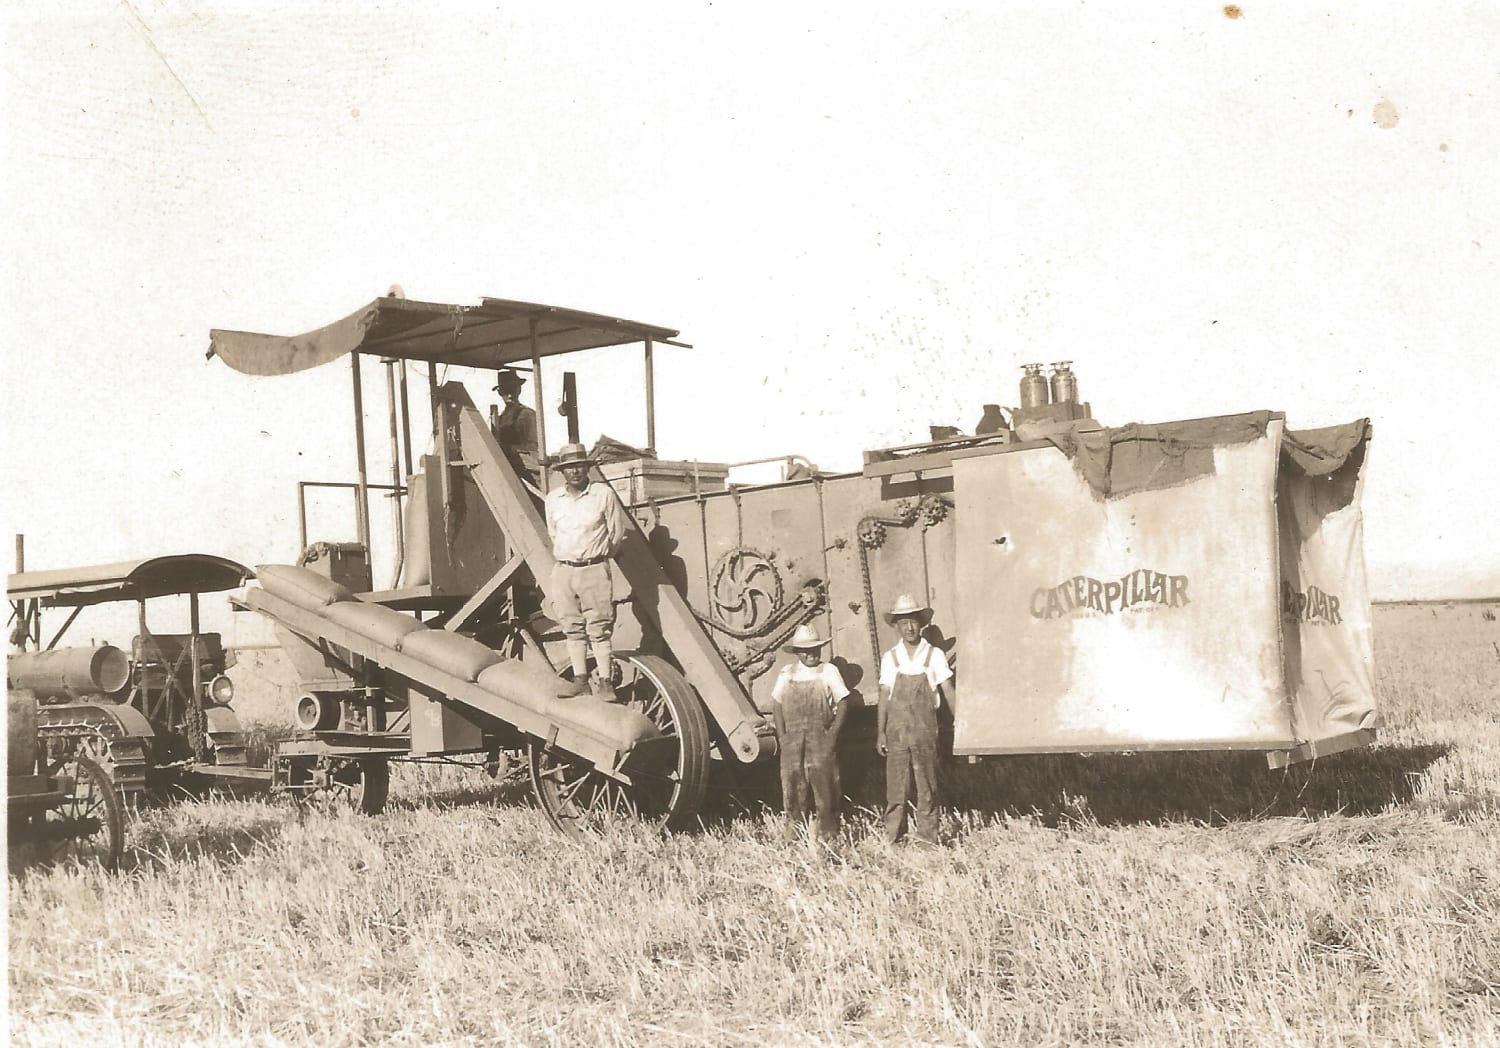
<point>1161,900</point>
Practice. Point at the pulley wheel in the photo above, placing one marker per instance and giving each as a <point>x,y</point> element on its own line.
<point>318,711</point>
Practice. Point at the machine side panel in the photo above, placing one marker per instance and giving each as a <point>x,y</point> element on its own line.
<point>315,672</point>
<point>478,547</point>
<point>895,566</point>
<point>782,533</point>
<point>940,550</point>
<point>438,727</point>
<point>1144,621</point>
<point>677,543</point>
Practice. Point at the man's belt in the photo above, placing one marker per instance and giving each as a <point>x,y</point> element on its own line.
<point>584,563</point>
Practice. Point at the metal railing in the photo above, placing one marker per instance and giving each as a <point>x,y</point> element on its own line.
<point>397,492</point>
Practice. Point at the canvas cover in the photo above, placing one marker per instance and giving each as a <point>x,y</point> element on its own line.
<point>1325,599</point>
<point>1204,590</point>
<point>1148,619</point>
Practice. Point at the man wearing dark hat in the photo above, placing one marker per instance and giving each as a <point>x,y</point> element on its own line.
<point>515,426</point>
<point>913,677</point>
<point>807,704</point>
<point>587,525</point>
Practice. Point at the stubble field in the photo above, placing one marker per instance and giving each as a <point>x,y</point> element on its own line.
<point>1144,900</point>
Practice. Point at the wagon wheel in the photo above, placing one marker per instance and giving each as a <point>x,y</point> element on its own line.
<point>357,785</point>
<point>89,825</point>
<point>669,776</point>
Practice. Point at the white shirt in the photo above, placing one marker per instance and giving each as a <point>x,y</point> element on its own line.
<point>826,673</point>
<point>586,525</point>
<point>925,660</point>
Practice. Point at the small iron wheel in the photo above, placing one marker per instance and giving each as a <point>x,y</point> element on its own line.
<point>669,776</point>
<point>360,785</point>
<point>89,825</point>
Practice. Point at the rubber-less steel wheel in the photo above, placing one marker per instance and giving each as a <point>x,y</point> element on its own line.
<point>362,785</point>
<point>89,825</point>
<point>668,775</point>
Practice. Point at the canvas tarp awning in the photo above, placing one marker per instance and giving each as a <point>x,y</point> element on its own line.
<point>491,335</point>
<point>128,580</point>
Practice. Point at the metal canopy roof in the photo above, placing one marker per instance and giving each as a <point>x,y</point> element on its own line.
<point>128,580</point>
<point>490,335</point>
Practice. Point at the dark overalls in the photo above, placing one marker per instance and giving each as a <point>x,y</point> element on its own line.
<point>807,756</point>
<point>911,754</point>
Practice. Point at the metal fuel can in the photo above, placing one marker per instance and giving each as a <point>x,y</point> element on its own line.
<point>1033,387</point>
<point>1064,383</point>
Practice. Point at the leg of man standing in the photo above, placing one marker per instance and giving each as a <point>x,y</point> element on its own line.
<point>924,767</point>
<point>570,616</point>
<point>897,776</point>
<point>596,599</point>
<point>793,782</point>
<point>822,776</point>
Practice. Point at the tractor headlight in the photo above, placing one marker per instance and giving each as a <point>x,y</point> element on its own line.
<point>221,690</point>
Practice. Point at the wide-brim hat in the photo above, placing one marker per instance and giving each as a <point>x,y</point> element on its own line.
<point>906,607</point>
<point>509,380</point>
<point>572,455</point>
<point>805,639</point>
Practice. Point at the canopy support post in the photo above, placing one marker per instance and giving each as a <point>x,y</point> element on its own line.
<point>390,402</point>
<point>540,408</point>
<point>405,416</point>
<point>362,491</point>
<point>650,401</point>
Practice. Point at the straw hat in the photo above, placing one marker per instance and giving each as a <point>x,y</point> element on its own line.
<point>805,639</point>
<point>571,455</point>
<point>907,607</point>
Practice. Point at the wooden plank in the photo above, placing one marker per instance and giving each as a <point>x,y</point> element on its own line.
<point>1315,748</point>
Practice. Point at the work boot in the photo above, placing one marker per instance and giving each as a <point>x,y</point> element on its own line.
<point>578,658</point>
<point>604,690</point>
<point>571,689</point>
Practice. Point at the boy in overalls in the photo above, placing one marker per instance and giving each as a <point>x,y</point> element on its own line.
<point>913,683</point>
<point>808,706</point>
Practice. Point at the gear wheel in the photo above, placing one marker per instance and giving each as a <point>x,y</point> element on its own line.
<point>933,510</point>
<point>871,534</point>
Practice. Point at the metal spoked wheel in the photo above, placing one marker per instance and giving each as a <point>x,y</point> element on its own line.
<point>89,825</point>
<point>357,785</point>
<point>668,775</point>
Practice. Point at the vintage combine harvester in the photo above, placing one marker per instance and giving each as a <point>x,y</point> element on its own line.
<point>152,718</point>
<point>1191,585</point>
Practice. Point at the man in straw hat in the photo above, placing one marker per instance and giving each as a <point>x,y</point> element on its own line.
<point>913,683</point>
<point>587,525</point>
<point>515,426</point>
<point>808,706</point>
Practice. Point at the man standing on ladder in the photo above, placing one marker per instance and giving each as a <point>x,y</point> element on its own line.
<point>515,425</point>
<point>587,524</point>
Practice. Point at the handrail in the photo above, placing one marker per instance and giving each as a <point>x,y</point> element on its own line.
<point>302,485</point>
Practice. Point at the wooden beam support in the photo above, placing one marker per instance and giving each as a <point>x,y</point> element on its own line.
<point>485,595</point>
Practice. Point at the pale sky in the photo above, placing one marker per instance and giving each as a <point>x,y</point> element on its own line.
<point>864,220</point>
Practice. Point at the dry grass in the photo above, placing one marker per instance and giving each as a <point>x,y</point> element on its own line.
<point>1161,901</point>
